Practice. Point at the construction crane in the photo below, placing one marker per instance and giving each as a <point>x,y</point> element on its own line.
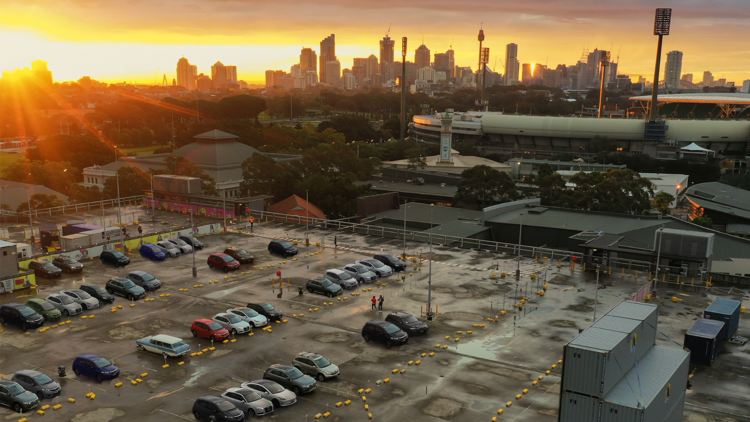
<point>389,30</point>
<point>164,81</point>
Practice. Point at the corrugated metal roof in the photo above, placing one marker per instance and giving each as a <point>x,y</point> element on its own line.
<point>4,244</point>
<point>724,306</point>
<point>616,323</point>
<point>706,328</point>
<point>597,339</point>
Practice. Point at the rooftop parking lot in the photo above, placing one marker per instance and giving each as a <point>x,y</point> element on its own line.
<point>477,374</point>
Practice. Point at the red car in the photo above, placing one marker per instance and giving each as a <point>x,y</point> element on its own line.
<point>209,329</point>
<point>222,261</point>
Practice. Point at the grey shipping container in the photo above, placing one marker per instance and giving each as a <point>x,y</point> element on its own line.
<point>69,243</point>
<point>727,311</point>
<point>642,336</point>
<point>704,340</point>
<point>639,311</point>
<point>595,360</point>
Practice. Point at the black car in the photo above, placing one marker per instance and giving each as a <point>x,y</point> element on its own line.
<point>14,396</point>
<point>38,383</point>
<point>116,258</point>
<point>214,408</point>
<point>267,310</point>
<point>44,269</point>
<point>282,247</point>
<point>391,261</point>
<point>323,286</point>
<point>384,332</point>
<point>407,323</point>
<point>97,292</point>
<point>192,241</point>
<point>67,264</point>
<point>145,280</point>
<point>125,288</point>
<point>291,378</point>
<point>20,315</point>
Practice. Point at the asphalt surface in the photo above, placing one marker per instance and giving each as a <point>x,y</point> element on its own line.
<point>470,380</point>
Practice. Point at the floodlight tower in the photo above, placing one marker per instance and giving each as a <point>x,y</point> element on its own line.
<point>662,22</point>
<point>603,64</point>
<point>403,88</point>
<point>480,38</point>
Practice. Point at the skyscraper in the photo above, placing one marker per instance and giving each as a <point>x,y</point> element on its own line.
<point>231,74</point>
<point>708,78</point>
<point>333,73</point>
<point>511,64</point>
<point>442,64</point>
<point>308,60</point>
<point>186,74</point>
<point>372,66</point>
<point>688,77</point>
<point>40,72</point>
<point>386,58</point>
<point>359,70</point>
<point>451,64</point>
<point>422,56</point>
<point>673,70</point>
<point>327,54</point>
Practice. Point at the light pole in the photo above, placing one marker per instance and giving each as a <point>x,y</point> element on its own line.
<point>224,211</point>
<point>119,212</point>
<point>195,269</point>
<point>405,230</point>
<point>104,223</point>
<point>661,28</point>
<point>31,223</point>
<point>153,204</point>
<point>429,278</point>
<point>658,256</point>
<point>307,217</point>
<point>520,229</point>
<point>603,66</point>
<point>403,89</point>
<point>596,293</point>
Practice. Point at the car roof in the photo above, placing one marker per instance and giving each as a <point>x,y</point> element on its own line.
<point>71,290</point>
<point>35,300</point>
<point>7,382</point>
<point>233,248</point>
<point>264,382</point>
<point>90,285</point>
<point>15,305</point>
<point>28,372</point>
<point>212,399</point>
<point>219,254</point>
<point>166,339</point>
<point>334,270</point>
<point>319,279</point>
<point>308,354</point>
<point>259,303</point>
<point>137,272</point>
<point>282,367</point>
<point>378,322</point>
<point>204,320</point>
<point>239,390</point>
<point>88,356</point>
<point>400,314</point>
<point>52,295</point>
<point>223,314</point>
<point>119,279</point>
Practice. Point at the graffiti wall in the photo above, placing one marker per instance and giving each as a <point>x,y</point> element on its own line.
<point>171,206</point>
<point>15,283</point>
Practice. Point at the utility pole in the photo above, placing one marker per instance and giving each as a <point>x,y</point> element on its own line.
<point>195,269</point>
<point>224,212</point>
<point>596,293</point>
<point>405,230</point>
<point>662,22</point>
<point>403,88</point>
<point>658,256</point>
<point>520,229</point>
<point>307,217</point>
<point>119,212</point>
<point>480,38</point>
<point>429,278</point>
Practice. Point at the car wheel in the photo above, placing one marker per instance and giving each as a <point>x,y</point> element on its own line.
<point>85,307</point>
<point>329,294</point>
<point>296,390</point>
<point>2,320</point>
<point>309,290</point>
<point>77,372</point>
<point>110,291</point>
<point>99,377</point>
<point>24,327</point>
<point>212,338</point>
<point>366,337</point>
<point>321,377</point>
<point>250,413</point>
<point>197,416</point>
<point>141,348</point>
<point>388,344</point>
<point>275,403</point>
<point>210,265</point>
<point>65,312</point>
<point>39,395</point>
<point>130,298</point>
<point>234,332</point>
<point>195,334</point>
<point>226,269</point>
<point>17,408</point>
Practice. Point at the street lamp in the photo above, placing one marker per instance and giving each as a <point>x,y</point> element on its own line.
<point>224,211</point>
<point>153,204</point>
<point>31,224</point>
<point>405,205</point>
<point>520,228</point>
<point>658,256</point>
<point>429,278</point>
<point>119,212</point>
<point>195,269</point>
<point>596,293</point>
<point>307,217</point>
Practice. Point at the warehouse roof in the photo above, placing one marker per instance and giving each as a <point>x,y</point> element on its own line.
<point>702,98</point>
<point>722,198</point>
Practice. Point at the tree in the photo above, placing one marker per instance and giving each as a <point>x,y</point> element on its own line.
<point>40,201</point>
<point>240,107</point>
<point>58,176</point>
<point>482,186</point>
<point>661,202</point>
<point>602,144</point>
<point>416,160</point>
<point>79,151</point>
<point>354,127</point>
<point>704,222</point>
<point>544,170</point>
<point>133,182</point>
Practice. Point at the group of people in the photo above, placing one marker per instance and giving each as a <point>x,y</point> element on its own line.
<point>379,301</point>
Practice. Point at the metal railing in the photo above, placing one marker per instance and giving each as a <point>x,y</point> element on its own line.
<point>107,203</point>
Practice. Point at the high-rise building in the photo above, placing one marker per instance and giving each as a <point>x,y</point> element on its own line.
<point>688,77</point>
<point>673,69</point>
<point>327,54</point>
<point>372,66</point>
<point>218,75</point>
<point>426,74</point>
<point>594,69</point>
<point>333,73</point>
<point>526,73</point>
<point>442,64</point>
<point>721,82</point>
<point>40,72</point>
<point>203,82</point>
<point>311,78</point>
<point>349,81</point>
<point>308,60</point>
<point>746,86</point>
<point>231,74</point>
<point>386,58</point>
<point>422,56</point>
<point>451,64</point>
<point>708,78</point>
<point>296,70</point>
<point>511,64</point>
<point>186,74</point>
<point>269,79</point>
<point>359,70</point>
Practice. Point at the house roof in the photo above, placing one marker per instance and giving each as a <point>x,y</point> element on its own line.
<point>293,205</point>
<point>216,134</point>
<point>14,193</point>
<point>216,152</point>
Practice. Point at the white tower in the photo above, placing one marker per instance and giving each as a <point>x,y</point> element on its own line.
<point>446,137</point>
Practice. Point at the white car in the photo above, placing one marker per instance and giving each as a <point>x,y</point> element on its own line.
<point>377,267</point>
<point>163,345</point>
<point>232,323</point>
<point>250,316</point>
<point>181,245</point>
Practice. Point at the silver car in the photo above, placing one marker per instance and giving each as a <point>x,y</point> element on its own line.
<point>272,391</point>
<point>232,323</point>
<point>380,269</point>
<point>64,304</point>
<point>181,245</point>
<point>360,272</point>
<point>315,365</point>
<point>248,401</point>
<point>168,248</point>
<point>341,278</point>
<point>250,316</point>
<point>82,298</point>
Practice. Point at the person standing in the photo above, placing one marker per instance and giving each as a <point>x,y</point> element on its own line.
<point>380,303</point>
<point>335,242</point>
<point>373,300</point>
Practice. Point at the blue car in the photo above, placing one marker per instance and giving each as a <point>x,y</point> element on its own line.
<point>163,345</point>
<point>150,251</point>
<point>96,367</point>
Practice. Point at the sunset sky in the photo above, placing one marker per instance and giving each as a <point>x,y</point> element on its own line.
<point>129,40</point>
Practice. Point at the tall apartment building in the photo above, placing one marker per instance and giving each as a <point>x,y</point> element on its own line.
<point>386,58</point>
<point>186,74</point>
<point>327,54</point>
<point>359,70</point>
<point>673,69</point>
<point>422,56</point>
<point>373,66</point>
<point>349,81</point>
<point>308,60</point>
<point>688,77</point>
<point>218,74</point>
<point>231,74</point>
<point>511,64</point>
<point>333,73</point>
<point>708,78</point>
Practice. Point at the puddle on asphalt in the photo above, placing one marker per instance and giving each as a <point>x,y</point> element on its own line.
<point>486,347</point>
<point>197,374</point>
<point>224,292</point>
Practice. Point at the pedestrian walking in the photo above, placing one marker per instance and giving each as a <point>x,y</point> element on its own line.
<point>374,301</point>
<point>335,242</point>
<point>380,303</point>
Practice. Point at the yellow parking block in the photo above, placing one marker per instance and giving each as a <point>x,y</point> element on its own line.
<point>339,404</point>
<point>233,340</point>
<point>119,306</point>
<point>509,404</point>
<point>84,316</point>
<point>318,416</point>
<point>166,365</point>
<point>72,400</point>
<point>424,354</point>
<point>518,396</point>
<point>138,380</point>
<point>394,371</point>
<point>445,346</point>
<point>364,398</point>
<point>360,391</point>
<point>368,390</point>
<point>41,412</point>
<point>387,380</point>
<point>525,390</point>
<point>144,375</point>
<point>119,384</point>
<point>251,334</point>
<point>411,362</point>
<point>347,403</point>
<point>45,407</point>
<point>133,382</point>
<point>367,407</point>
<point>554,366</point>
<point>132,304</point>
<point>541,377</point>
<point>181,363</point>
<point>403,370</point>
<point>547,372</point>
<point>432,354</point>
<point>534,382</point>
<point>418,362</point>
<point>57,406</point>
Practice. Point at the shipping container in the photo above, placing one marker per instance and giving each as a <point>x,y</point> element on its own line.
<point>99,236</point>
<point>726,311</point>
<point>177,184</point>
<point>49,235</point>
<point>8,259</point>
<point>704,340</point>
<point>24,250</point>
<point>642,336</point>
<point>79,228</point>
<point>74,241</point>
<point>639,311</point>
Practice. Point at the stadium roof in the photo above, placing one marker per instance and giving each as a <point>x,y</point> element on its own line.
<point>703,98</point>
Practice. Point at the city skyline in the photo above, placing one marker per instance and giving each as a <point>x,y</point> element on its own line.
<point>134,50</point>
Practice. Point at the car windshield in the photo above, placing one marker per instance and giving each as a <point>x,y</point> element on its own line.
<point>64,299</point>
<point>26,311</point>
<point>154,249</point>
<point>69,260</point>
<point>98,289</point>
<point>322,362</point>
<point>117,254</point>
<point>47,306</point>
<point>15,389</point>
<point>251,396</point>
<point>267,306</point>
<point>45,264</point>
<point>215,326</point>
<point>102,363</point>
<point>360,268</point>
<point>227,258</point>
<point>82,294</point>
<point>294,373</point>
<point>233,319</point>
<point>147,277</point>
<point>249,312</point>
<point>286,245</point>
<point>225,406</point>
<point>128,284</point>
<point>410,318</point>
<point>242,252</point>
<point>345,276</point>
<point>390,328</point>
<point>179,242</point>
<point>325,283</point>
<point>391,258</point>
<point>273,387</point>
<point>42,379</point>
<point>376,263</point>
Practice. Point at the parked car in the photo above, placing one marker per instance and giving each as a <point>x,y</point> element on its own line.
<point>95,366</point>
<point>38,383</point>
<point>163,345</point>
<point>315,365</point>
<point>192,241</point>
<point>240,255</point>
<point>181,245</point>
<point>210,329</point>
<point>125,288</point>
<point>248,401</point>
<point>341,278</point>
<point>222,262</point>
<point>14,396</point>
<point>361,273</point>
<point>272,391</point>
<point>250,316</point>
<point>282,247</point>
<point>218,409</point>
<point>44,308</point>
<point>232,323</point>
<point>169,249</point>
<point>391,261</point>
<point>67,264</point>
<point>323,286</point>
<point>291,378</point>
<point>267,310</point>
<point>145,280</point>
<point>64,304</point>
<point>44,269</point>
<point>384,332</point>
<point>407,323</point>
<point>147,250</point>
<point>380,269</point>
<point>82,298</point>
<point>97,292</point>
<point>20,315</point>
<point>116,258</point>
